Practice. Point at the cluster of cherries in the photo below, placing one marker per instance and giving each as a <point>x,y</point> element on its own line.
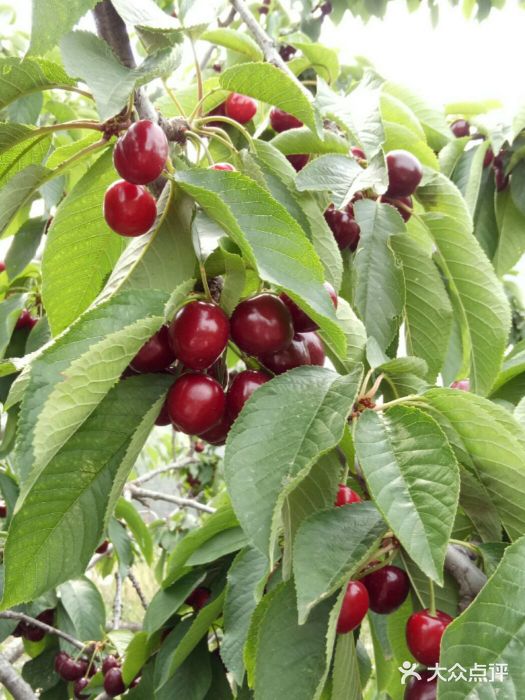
<point>461,128</point>
<point>79,671</point>
<point>269,327</point>
<point>383,591</point>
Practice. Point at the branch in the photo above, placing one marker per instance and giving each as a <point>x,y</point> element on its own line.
<point>13,682</point>
<point>162,470</point>
<point>139,493</point>
<point>14,650</point>
<point>138,589</point>
<point>117,602</point>
<point>48,629</point>
<point>469,578</point>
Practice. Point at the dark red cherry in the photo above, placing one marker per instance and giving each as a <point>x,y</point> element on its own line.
<point>218,434</point>
<point>156,354</point>
<point>199,333</point>
<point>387,589</point>
<point>240,108</point>
<point>222,166</point>
<point>102,548</point>
<point>196,402</point>
<point>460,128</point>
<point>489,157</point>
<point>354,607</point>
<point>422,688</point>
<point>404,173</point>
<point>344,227</point>
<point>79,686</point>
<point>302,323</point>
<point>135,682</point>
<point>113,683</point>
<point>198,598</point>
<point>141,153</point>
<point>358,153</point>
<point>286,52</point>
<point>241,388</point>
<point>282,121</point>
<point>262,325</point>
<point>298,160</point>
<point>164,417</point>
<point>346,495</point>
<point>315,348</point>
<point>3,510</point>
<point>36,634</point>
<point>424,633</point>
<point>130,210</point>
<point>402,204</point>
<point>2,265</point>
<point>71,670</point>
<point>502,180</point>
<point>295,355</point>
<point>110,662</point>
<point>199,446</point>
<point>60,658</point>
<point>25,320</point>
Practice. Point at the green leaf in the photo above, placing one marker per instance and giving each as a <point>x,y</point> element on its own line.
<point>394,449</point>
<point>269,238</point>
<point>403,376</point>
<point>511,223</point>
<point>146,13</point>
<point>268,83</point>
<point>20,146</point>
<point>19,192</point>
<point>355,333</point>
<point>192,680</point>
<point>19,77</point>
<point>291,422</point>
<point>346,683</point>
<point>81,249</point>
<point>379,284</point>
<point>48,25</point>
<point>83,603</point>
<point>322,59</point>
<point>126,511</point>
<point>10,310</point>
<point>354,532</point>
<point>67,531</point>
<point>220,545</point>
<point>235,40</point>
<point>137,654</point>
<point>468,174</point>
<point>24,247</point>
<point>166,602</point>
<point>336,174</point>
<point>305,141</point>
<point>490,631</point>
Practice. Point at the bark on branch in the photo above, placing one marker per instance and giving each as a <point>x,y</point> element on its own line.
<point>22,617</point>
<point>140,494</point>
<point>13,682</point>
<point>469,578</point>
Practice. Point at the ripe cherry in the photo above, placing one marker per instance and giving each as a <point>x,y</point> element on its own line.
<point>110,662</point>
<point>199,333</point>
<point>102,548</point>
<point>36,634</point>
<point>2,266</point>
<point>295,355</point>
<point>315,348</point>
<point>424,633</point>
<point>79,686</point>
<point>240,108</point>
<point>302,323</point>
<point>26,320</point>
<point>59,660</point>
<point>354,607</point>
<point>346,495</point>
<point>164,417</point>
<point>461,384</point>
<point>196,403</point>
<point>3,510</point>
<point>402,204</point>
<point>460,128</point>
<point>344,227</point>
<point>198,598</point>
<point>218,434</point>
<point>140,155</point>
<point>387,589</point>
<point>502,180</point>
<point>129,210</point>
<point>262,325</point>
<point>199,446</point>
<point>422,689</point>
<point>156,354</point>
<point>71,670</point>
<point>358,153</point>
<point>222,166</point>
<point>113,683</point>
<point>404,173</point>
<point>298,160</point>
<point>489,157</point>
<point>242,387</point>
<point>286,52</point>
<point>282,121</point>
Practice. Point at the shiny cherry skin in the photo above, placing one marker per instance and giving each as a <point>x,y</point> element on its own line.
<point>295,355</point>
<point>282,121</point>
<point>71,670</point>
<point>199,446</point>
<point>404,173</point>
<point>26,320</point>
<point>460,128</point>
<point>196,402</point>
<point>222,166</point>
<point>424,633</point>
<point>422,689</point>
<point>387,589</point>
<point>110,662</point>
<point>241,388</point>
<point>155,355</point>
<point>141,153</point>
<point>218,434</point>
<point>240,108</point>
<point>102,548</point>
<point>344,227</point>
<point>199,333</point>
<point>315,348</point>
<point>164,417</point>
<point>302,323</point>
<point>198,598</point>
<point>346,495</point>
<point>79,686</point>
<point>358,153</point>
<point>36,634</point>
<point>113,683</point>
<point>402,204</point>
<point>298,160</point>
<point>261,325</point>
<point>3,510</point>
<point>60,658</point>
<point>354,607</point>
<point>129,210</point>
<point>461,384</point>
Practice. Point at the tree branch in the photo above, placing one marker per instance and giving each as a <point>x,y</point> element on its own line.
<point>162,470</point>
<point>13,682</point>
<point>22,617</point>
<point>139,493</point>
<point>138,589</point>
<point>117,602</point>
<point>469,578</point>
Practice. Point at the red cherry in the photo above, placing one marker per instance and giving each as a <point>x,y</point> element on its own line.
<point>286,52</point>
<point>25,320</point>
<point>387,589</point>
<point>36,634</point>
<point>164,417</point>
<point>218,434</point>
<point>302,323</point>
<point>198,598</point>
<point>60,658</point>
<point>196,402</point>
<point>489,157</point>
<point>315,348</point>
<point>140,155</point>
<point>79,687</point>
<point>130,210</point>
<point>240,108</point>
<point>422,689</point>
<point>102,548</point>
<point>113,683</point>
<point>71,670</point>
<point>110,662</point>
<point>155,355</point>
<point>242,387</point>
<point>404,173</point>
<point>261,325</point>
<point>346,495</point>
<point>354,607</point>
<point>344,227</point>
<point>424,633</point>
<point>222,166</point>
<point>3,510</point>
<point>460,128</point>
<point>502,180</point>
<point>461,384</point>
<point>2,266</point>
<point>298,160</point>
<point>282,121</point>
<point>295,355</point>
<point>199,333</point>
<point>199,446</point>
<point>358,153</point>
<point>400,204</point>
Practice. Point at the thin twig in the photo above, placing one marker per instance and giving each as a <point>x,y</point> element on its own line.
<point>138,589</point>
<point>22,617</point>
<point>117,602</point>
<point>162,470</point>
<point>139,493</point>
<point>13,682</point>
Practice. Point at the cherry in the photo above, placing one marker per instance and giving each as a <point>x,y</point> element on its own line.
<point>404,173</point>
<point>71,670</point>
<point>222,166</point>
<point>315,348</point>
<point>218,111</point>
<point>135,682</point>
<point>199,446</point>
<point>354,607</point>
<point>424,633</point>
<point>129,210</point>
<point>3,510</point>
<point>2,266</point>
<point>198,598</point>
<point>113,683</point>
<point>240,108</point>
<point>79,687</point>
<point>502,180</point>
<point>302,323</point>
<point>140,155</point>
<point>387,589</point>
<point>155,355</point>
<point>262,325</point>
<point>346,495</point>
<point>489,157</point>
<point>199,333</point>
<point>36,634</point>
<point>461,384</point>
<point>60,658</point>
<point>286,52</point>
<point>460,128</point>
<point>102,548</point>
<point>344,227</point>
<point>25,320</point>
<point>164,417</point>
<point>298,160</point>
<point>326,8</point>
<point>424,689</point>
<point>295,355</point>
<point>263,10</point>
<point>217,67</point>
<point>196,402</point>
<point>358,153</point>
<point>282,121</point>
<point>110,662</point>
<point>242,387</point>
<point>218,434</point>
<point>401,204</point>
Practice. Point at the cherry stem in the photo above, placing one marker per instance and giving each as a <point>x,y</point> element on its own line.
<point>395,402</point>
<point>467,545</point>
<point>73,88</point>
<point>221,136</point>
<point>248,360</point>
<point>431,598</point>
<point>364,384</point>
<point>174,99</point>
<point>198,73</point>
<point>196,139</point>
<point>375,387</point>
<point>66,126</point>
<point>231,122</point>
